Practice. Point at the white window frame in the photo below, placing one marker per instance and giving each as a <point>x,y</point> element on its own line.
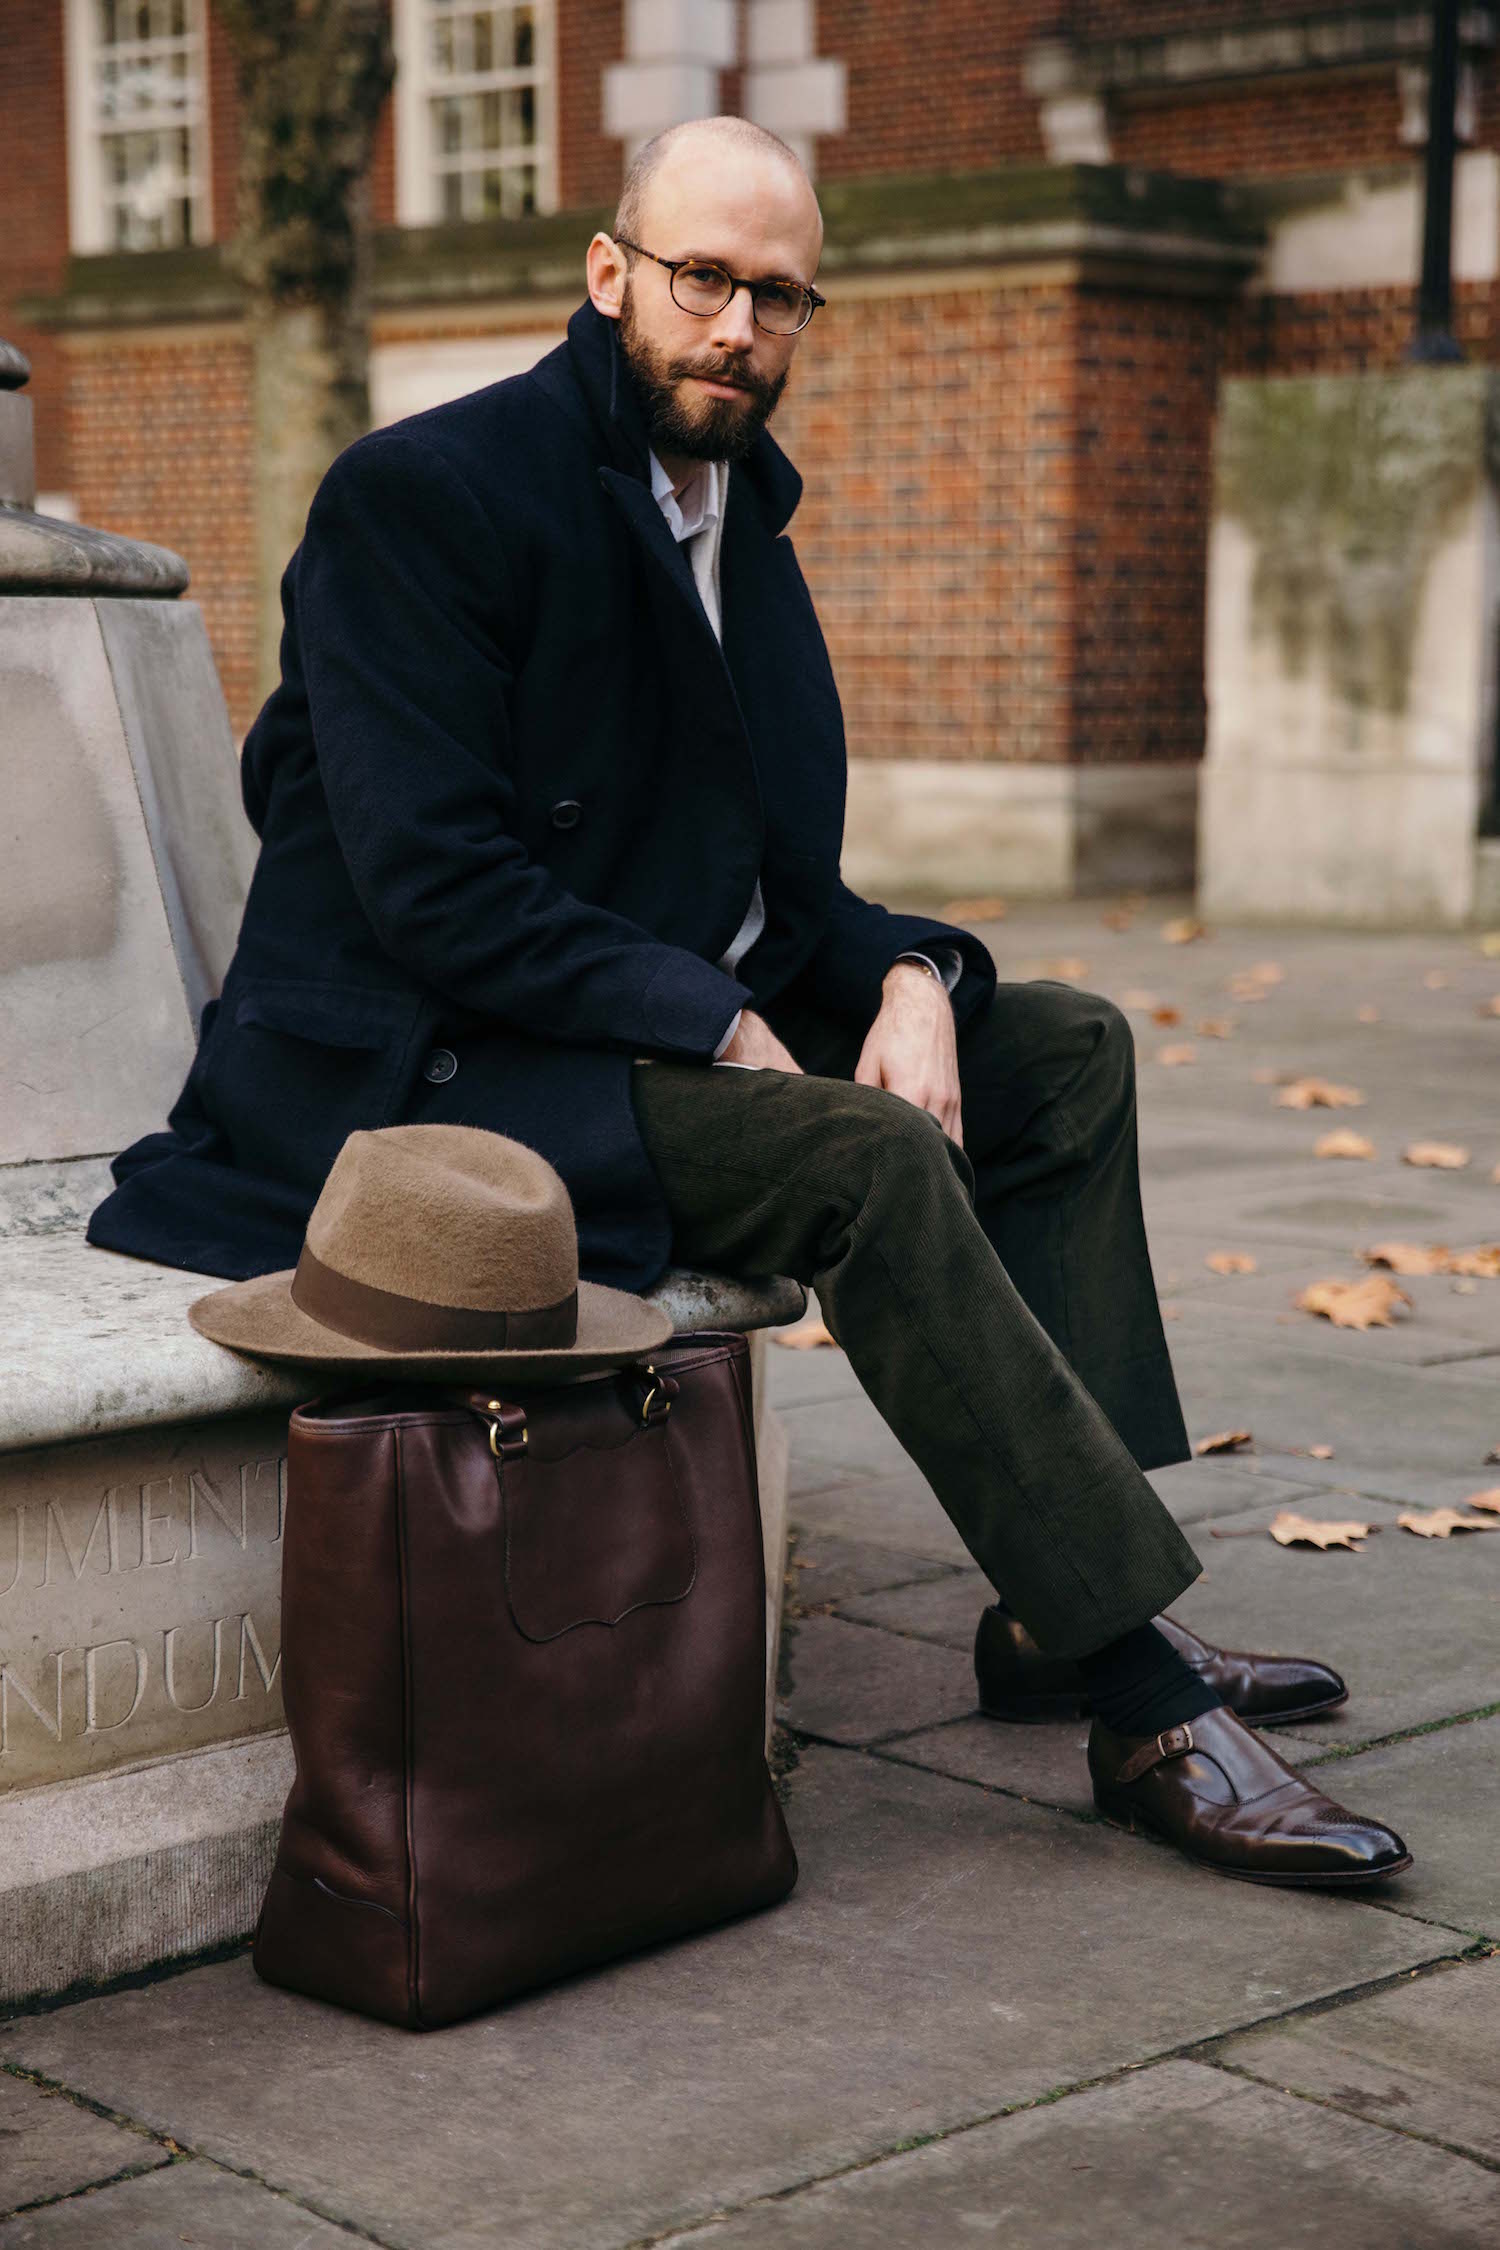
<point>89,229</point>
<point>418,200</point>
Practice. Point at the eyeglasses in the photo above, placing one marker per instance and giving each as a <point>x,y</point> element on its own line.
<point>781,308</point>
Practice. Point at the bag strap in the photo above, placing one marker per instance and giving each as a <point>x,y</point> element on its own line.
<point>505,1419</point>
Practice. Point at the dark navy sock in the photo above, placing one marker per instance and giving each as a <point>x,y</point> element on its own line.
<point>1140,1685</point>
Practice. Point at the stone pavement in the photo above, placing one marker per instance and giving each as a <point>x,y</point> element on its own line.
<point>985,2015</point>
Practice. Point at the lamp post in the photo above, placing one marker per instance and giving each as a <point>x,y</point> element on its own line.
<point>1434,341</point>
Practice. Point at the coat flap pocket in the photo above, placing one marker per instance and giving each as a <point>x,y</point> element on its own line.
<point>332,1015</point>
<point>595,1536</point>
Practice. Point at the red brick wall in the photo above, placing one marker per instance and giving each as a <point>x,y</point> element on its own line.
<point>34,199</point>
<point>1348,331</point>
<point>934,85</point>
<point>162,450</point>
<point>590,33</point>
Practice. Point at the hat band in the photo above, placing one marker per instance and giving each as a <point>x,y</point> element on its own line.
<point>411,1324</point>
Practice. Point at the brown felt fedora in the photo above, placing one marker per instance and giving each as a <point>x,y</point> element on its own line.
<point>437,1250</point>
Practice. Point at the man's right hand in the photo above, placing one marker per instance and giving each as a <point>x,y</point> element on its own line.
<point>754,1042</point>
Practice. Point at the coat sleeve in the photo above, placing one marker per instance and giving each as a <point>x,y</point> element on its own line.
<point>862,940</point>
<point>404,627</point>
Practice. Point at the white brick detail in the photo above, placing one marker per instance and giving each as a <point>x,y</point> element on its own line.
<point>801,97</point>
<point>642,98</point>
<point>702,31</point>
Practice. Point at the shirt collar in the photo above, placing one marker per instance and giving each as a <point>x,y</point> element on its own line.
<point>700,503</point>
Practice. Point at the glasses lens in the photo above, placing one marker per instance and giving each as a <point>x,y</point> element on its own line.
<point>782,308</point>
<point>702,289</point>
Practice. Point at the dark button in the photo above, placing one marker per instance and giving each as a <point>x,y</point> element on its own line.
<point>567,814</point>
<point>440,1066</point>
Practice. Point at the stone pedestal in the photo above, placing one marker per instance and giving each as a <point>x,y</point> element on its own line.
<point>1354,604</point>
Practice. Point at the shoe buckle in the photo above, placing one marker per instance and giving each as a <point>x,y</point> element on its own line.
<point>1176,1742</point>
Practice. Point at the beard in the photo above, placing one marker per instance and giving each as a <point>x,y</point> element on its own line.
<point>705,429</point>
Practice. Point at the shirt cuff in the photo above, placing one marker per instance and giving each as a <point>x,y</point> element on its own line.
<point>734,1025</point>
<point>949,964</point>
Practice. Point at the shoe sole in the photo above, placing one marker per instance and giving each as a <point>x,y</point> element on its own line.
<point>1130,1818</point>
<point>1037,1708</point>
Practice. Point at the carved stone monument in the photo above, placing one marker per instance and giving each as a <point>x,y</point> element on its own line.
<point>143,1755</point>
<point>1353,615</point>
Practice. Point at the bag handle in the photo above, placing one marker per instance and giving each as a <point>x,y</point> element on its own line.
<point>505,1419</point>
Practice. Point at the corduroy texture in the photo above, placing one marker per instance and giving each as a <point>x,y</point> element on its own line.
<point>444,1216</point>
<point>989,1299</point>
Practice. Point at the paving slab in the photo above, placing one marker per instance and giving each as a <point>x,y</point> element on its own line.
<point>948,1952</point>
<point>1044,1763</point>
<point>846,1435</point>
<point>945,1610</point>
<point>798,1378</point>
<point>1413,1624</point>
<point>1444,1327</point>
<point>1441,1790</point>
<point>1225,1484</point>
<point>900,1512</point>
<point>1422,2055</point>
<point>855,1684</point>
<point>50,2147</point>
<point>184,2203</point>
<point>830,1569</point>
<point>1178,2155</point>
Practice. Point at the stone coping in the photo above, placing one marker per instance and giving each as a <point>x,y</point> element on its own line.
<point>1248,50</point>
<point>1015,212</point>
<point>96,1342</point>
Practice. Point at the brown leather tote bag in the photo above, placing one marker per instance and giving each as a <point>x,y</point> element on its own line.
<point>523,1649</point>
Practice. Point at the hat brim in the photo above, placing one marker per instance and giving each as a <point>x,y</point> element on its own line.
<point>259,1318</point>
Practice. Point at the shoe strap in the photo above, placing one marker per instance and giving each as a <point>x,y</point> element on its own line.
<point>1174,1742</point>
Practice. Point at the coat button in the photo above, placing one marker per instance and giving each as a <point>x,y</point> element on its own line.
<point>567,814</point>
<point>440,1066</point>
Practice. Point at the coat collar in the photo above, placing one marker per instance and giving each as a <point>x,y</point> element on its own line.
<point>598,365</point>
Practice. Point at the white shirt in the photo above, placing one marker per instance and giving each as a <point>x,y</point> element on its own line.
<point>695,518</point>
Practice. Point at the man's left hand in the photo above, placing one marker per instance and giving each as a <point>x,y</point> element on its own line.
<point>912,1046</point>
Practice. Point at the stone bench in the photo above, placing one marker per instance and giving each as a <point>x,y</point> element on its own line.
<point>143,1755</point>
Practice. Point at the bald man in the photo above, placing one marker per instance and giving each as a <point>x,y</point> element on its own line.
<point>550,799</point>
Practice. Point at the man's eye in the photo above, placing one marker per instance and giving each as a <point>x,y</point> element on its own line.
<point>778,296</point>
<point>703,277</point>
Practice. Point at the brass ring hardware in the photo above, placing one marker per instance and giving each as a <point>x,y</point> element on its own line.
<point>651,1393</point>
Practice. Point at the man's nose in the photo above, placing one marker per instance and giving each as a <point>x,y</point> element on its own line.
<point>734,327</point>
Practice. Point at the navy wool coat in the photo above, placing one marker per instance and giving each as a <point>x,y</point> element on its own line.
<point>512,799</point>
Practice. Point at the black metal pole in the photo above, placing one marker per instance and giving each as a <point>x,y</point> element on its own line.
<point>1434,339</point>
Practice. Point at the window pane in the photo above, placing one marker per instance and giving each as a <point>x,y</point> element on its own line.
<point>453,188</point>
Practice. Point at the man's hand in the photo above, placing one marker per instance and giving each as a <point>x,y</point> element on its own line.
<point>755,1042</point>
<point>912,1046</point>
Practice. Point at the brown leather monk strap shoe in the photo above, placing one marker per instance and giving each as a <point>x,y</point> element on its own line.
<point>1017,1680</point>
<point>1221,1794</point>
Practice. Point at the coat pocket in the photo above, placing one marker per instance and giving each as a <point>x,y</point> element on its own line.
<point>294,1068</point>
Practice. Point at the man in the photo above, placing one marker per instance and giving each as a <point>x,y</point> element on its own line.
<point>551,800</point>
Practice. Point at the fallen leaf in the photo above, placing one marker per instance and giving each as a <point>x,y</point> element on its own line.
<point>1343,1143</point>
<point>1354,1304</point>
<point>1137,997</point>
<point>1443,1156</point>
<point>1246,990</point>
<point>1119,918</point>
<point>1266,1076</point>
<point>1265,972</point>
<point>1066,969</point>
<point>1435,980</point>
<point>1495,1177</point>
<point>1483,1262</point>
<point>975,910</point>
<point>1216,1027</point>
<point>1493,1454</point>
<point>1368,1013</point>
<point>1314,1452</point>
<point>1288,1529</point>
<point>1465,1288</point>
<point>809,1337</point>
<point>1171,1312</point>
<point>1224,1441</point>
<point>1165,1016</point>
<point>1490,1007</point>
<point>1172,1056</point>
<point>1319,1093</point>
<point>1489,944</point>
<point>1409,1257</point>
<point>1230,1261</point>
<point>1183,929</point>
<point>1489,1499</point>
<point>1439,1523</point>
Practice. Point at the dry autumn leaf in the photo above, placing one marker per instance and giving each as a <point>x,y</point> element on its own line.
<point>1440,1523</point>
<point>1288,1529</point>
<point>1173,1057</point>
<point>1136,996</point>
<point>1492,1455</point>
<point>975,910</point>
<point>1490,1007</point>
<point>1368,1013</point>
<point>1436,979</point>
<point>811,1336</point>
<point>1118,918</point>
<point>1489,944</point>
<point>1343,1143</point>
<point>1165,1016</point>
<point>1224,1441</point>
<point>1442,1156</point>
<point>1488,1499</point>
<point>1229,1261</point>
<point>1314,1452</point>
<point>1495,1177</point>
<point>1370,1303</point>
<point>1171,1312</point>
<point>1409,1257</point>
<point>1265,972</point>
<point>1215,1027</point>
<point>1319,1093</point>
<point>1483,1262</point>
<point>1182,929</point>
<point>1264,1075</point>
<point>1246,990</point>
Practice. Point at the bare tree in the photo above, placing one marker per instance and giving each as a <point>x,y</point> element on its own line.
<point>313,75</point>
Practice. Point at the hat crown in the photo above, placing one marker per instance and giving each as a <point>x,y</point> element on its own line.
<point>449,1216</point>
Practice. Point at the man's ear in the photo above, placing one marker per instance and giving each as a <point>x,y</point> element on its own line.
<point>606,269</point>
